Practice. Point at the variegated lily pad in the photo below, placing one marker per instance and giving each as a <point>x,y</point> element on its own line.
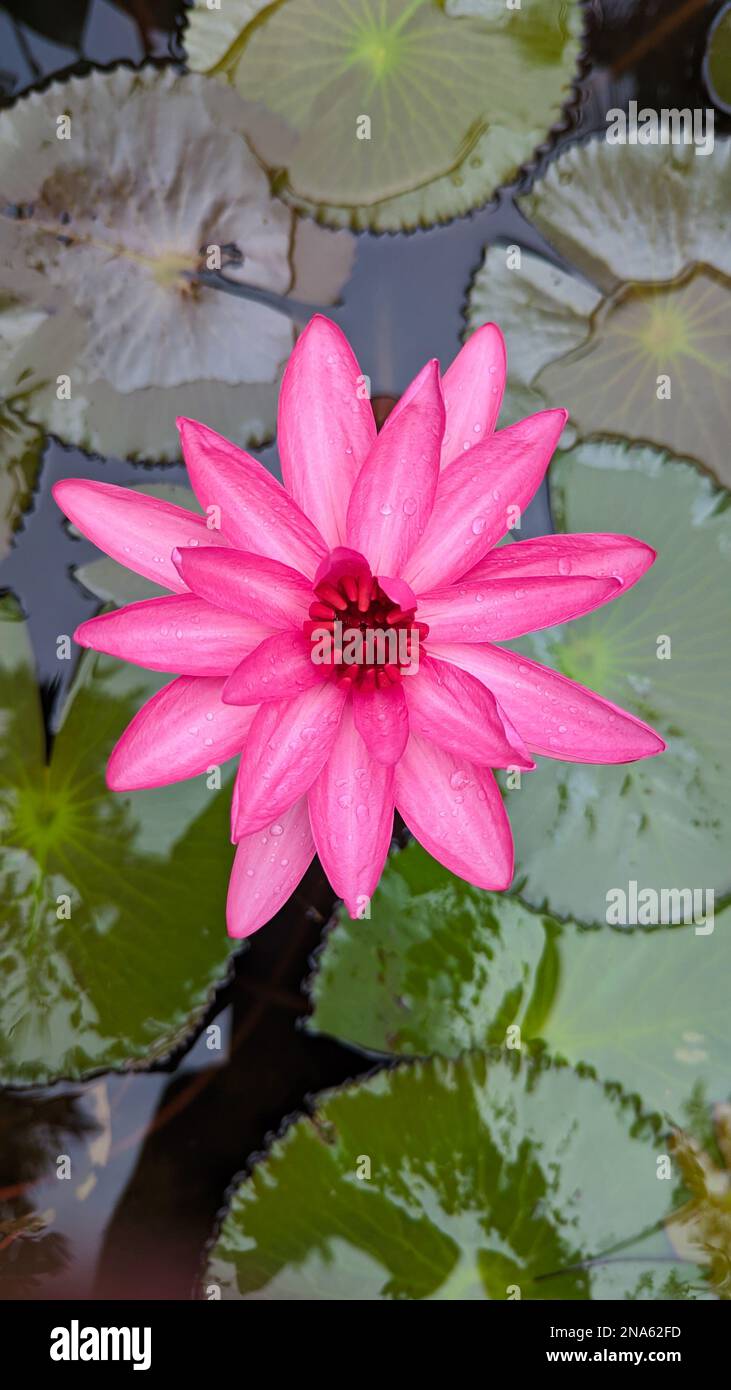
<point>391,113</point>
<point>117,188</point>
<point>635,339</point>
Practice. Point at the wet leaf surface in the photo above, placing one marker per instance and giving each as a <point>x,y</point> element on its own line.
<point>113,938</point>
<point>449,1180</point>
<point>456,97</point>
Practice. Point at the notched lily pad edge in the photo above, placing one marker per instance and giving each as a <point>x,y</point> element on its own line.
<point>276,1140</point>
<point>518,182</point>
<point>165,1055</point>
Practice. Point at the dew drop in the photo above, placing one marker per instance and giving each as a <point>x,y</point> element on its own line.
<point>564,566</point>
<point>410,506</point>
<point>276,829</point>
<point>478,525</point>
<point>386,509</point>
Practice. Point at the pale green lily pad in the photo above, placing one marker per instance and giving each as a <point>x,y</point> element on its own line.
<point>21,448</point>
<point>457,95</point>
<point>717,62</point>
<point>112,582</point>
<point>635,339</point>
<point>442,967</point>
<point>113,935</point>
<point>663,651</point>
<point>104,337</point>
<point>460,1180</point>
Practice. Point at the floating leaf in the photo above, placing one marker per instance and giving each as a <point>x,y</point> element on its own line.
<point>442,967</point>
<point>113,935</point>
<point>393,113</point>
<point>21,446</point>
<point>664,652</point>
<point>110,581</point>
<point>717,62</point>
<point>446,1180</point>
<point>637,339</point>
<point>115,187</point>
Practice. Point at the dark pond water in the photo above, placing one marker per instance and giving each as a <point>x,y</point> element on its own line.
<point>171,1140</point>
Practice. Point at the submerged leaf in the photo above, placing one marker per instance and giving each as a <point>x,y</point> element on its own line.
<point>635,337</point>
<point>113,934</point>
<point>391,114</point>
<point>460,1180</point>
<point>116,187</point>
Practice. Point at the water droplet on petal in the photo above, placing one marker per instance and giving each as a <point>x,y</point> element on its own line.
<point>478,525</point>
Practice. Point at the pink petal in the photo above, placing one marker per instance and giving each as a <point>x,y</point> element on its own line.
<point>382,721</point>
<point>473,391</point>
<point>280,668</point>
<point>604,556</point>
<point>494,610</point>
<point>394,492</point>
<point>471,510</point>
<point>140,532</point>
<point>255,511</point>
<point>456,812</point>
<point>182,731</point>
<point>267,869</point>
<point>557,717</point>
<point>267,590</point>
<point>289,743</point>
<point>326,427</point>
<point>449,707</point>
<point>174,634</point>
<point>351,810</point>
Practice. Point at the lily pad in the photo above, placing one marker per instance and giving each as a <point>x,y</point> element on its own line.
<point>112,936</point>
<point>717,62</point>
<point>115,187</point>
<point>664,652</point>
<point>442,967</point>
<point>112,582</point>
<point>463,1180</point>
<point>21,447</point>
<point>635,339</point>
<point>392,113</point>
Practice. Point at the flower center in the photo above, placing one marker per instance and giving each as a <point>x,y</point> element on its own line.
<point>363,627</point>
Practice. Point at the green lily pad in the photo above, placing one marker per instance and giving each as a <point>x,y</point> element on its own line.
<point>393,113</point>
<point>663,651</point>
<point>464,1180</point>
<point>105,335</point>
<point>443,967</point>
<point>717,62</point>
<point>113,936</point>
<point>21,448</point>
<point>112,582</point>
<point>636,338</point>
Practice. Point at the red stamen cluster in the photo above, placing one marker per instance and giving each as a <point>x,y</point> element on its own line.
<point>359,603</point>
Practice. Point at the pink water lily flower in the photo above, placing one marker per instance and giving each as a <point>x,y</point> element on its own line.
<point>390,532</point>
